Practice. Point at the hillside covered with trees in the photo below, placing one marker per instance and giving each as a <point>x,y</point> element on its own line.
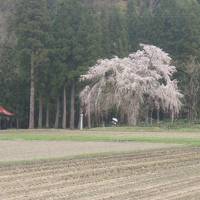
<point>46,45</point>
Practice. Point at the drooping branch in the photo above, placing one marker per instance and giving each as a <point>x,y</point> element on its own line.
<point>126,82</point>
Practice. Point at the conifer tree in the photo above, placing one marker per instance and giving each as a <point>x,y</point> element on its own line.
<point>76,44</point>
<point>118,33</point>
<point>31,25</point>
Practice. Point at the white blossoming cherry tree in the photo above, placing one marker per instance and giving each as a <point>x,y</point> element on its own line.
<point>143,78</point>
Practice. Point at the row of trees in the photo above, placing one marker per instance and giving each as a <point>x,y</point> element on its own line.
<point>51,43</point>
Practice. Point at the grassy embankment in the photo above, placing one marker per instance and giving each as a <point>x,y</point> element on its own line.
<point>120,134</point>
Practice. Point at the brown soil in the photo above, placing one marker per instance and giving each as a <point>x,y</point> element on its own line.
<point>146,175</point>
<point>30,150</point>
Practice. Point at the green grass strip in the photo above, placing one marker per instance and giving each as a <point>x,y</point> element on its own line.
<point>174,128</point>
<point>100,138</point>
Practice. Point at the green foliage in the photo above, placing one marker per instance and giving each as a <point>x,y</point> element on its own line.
<point>75,39</point>
<point>32,26</point>
<point>176,27</point>
<point>67,37</point>
<point>118,33</point>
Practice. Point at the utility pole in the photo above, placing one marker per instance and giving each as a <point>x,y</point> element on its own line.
<point>81,121</point>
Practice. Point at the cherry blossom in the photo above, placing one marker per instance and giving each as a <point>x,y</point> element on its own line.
<point>144,77</point>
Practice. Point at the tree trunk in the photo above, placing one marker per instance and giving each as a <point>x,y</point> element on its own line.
<point>89,117</point>
<point>72,112</point>
<point>132,118</point>
<point>47,116</point>
<point>57,113</point>
<point>17,123</point>
<point>122,118</point>
<point>132,115</point>
<point>32,95</point>
<point>147,116</point>
<point>40,112</point>
<point>64,121</point>
<point>151,117</point>
<point>132,121</point>
<point>158,116</point>
<point>172,117</point>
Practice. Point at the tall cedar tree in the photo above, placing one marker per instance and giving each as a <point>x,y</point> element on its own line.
<point>132,20</point>
<point>118,33</point>
<point>176,27</point>
<point>32,26</point>
<point>75,46</point>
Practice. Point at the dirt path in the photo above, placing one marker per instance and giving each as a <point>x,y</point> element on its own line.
<point>30,150</point>
<point>172,174</point>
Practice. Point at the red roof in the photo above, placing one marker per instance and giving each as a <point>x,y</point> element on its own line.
<point>3,111</point>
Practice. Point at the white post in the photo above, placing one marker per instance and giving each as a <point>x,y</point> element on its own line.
<point>81,121</point>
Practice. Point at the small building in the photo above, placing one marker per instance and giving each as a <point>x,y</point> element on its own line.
<point>4,117</point>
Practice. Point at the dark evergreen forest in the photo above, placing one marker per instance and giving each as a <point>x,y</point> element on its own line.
<point>45,45</point>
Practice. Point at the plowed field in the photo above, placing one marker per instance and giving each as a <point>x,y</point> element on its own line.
<point>32,150</point>
<point>147,175</point>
